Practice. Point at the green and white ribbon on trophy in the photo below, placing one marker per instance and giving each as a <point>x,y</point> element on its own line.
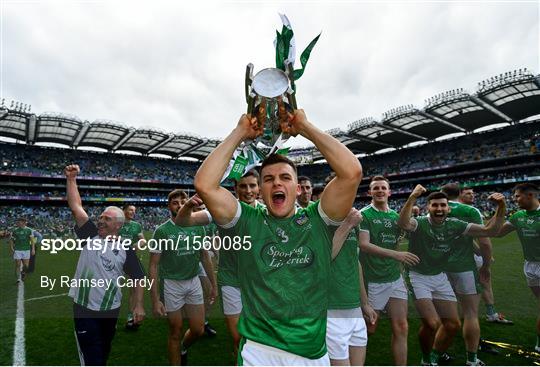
<point>263,91</point>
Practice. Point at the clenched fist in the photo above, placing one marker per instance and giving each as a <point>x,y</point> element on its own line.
<point>72,171</point>
<point>418,191</point>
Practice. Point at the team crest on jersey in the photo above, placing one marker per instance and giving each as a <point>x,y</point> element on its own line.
<point>115,252</point>
<point>107,263</point>
<point>301,220</point>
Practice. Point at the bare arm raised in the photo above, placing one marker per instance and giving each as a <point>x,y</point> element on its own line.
<point>73,197</point>
<point>219,201</point>
<point>495,224</point>
<point>405,221</point>
<point>339,194</point>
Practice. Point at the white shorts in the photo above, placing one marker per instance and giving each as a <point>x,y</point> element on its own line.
<point>177,293</point>
<point>532,273</point>
<point>202,273</point>
<point>231,298</point>
<point>345,328</point>
<point>380,293</point>
<point>256,354</point>
<point>479,260</point>
<point>465,282</point>
<point>21,255</point>
<point>431,286</point>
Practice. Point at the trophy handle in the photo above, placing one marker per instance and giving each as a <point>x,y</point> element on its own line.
<point>249,79</point>
<point>289,70</point>
<point>251,98</point>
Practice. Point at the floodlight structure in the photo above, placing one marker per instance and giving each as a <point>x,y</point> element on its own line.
<point>445,97</point>
<point>509,77</point>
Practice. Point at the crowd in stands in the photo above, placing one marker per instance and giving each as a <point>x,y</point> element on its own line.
<point>50,220</point>
<point>509,141</point>
<point>51,161</point>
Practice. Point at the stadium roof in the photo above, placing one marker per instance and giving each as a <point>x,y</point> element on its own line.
<point>508,97</point>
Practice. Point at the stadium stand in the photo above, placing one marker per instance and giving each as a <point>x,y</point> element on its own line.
<point>31,178</point>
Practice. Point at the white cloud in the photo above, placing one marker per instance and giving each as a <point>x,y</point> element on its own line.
<point>180,66</point>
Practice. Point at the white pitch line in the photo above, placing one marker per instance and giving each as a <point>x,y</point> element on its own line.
<point>19,350</point>
<point>45,297</point>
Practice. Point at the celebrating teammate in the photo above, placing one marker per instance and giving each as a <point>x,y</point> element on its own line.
<point>22,244</point>
<point>306,189</point>
<point>247,191</point>
<point>526,222</point>
<point>96,309</point>
<point>175,262</point>
<point>432,239</point>
<point>283,269</point>
<point>462,272</point>
<point>132,231</point>
<point>379,239</point>
<point>467,196</point>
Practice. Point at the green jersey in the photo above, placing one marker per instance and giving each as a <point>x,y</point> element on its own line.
<point>527,225</point>
<point>179,260</point>
<point>228,259</point>
<point>344,291</point>
<point>433,243</point>
<point>383,232</point>
<point>131,230</point>
<point>284,278</point>
<point>22,238</point>
<point>462,256</point>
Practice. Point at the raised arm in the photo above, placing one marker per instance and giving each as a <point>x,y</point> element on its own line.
<point>185,216</point>
<point>505,229</point>
<point>73,197</point>
<point>338,196</point>
<point>219,201</point>
<point>340,235</point>
<point>405,220</point>
<point>495,224</point>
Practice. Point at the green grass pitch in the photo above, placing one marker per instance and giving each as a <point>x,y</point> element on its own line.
<point>50,338</point>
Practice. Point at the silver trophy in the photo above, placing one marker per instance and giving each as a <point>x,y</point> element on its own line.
<point>263,93</point>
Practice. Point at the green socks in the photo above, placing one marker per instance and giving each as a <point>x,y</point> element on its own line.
<point>471,357</point>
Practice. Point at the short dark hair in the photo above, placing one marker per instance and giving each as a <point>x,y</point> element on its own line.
<point>465,188</point>
<point>451,190</point>
<point>379,178</point>
<point>304,178</point>
<point>437,195</point>
<point>250,173</point>
<point>127,206</point>
<point>526,187</point>
<point>176,193</point>
<point>278,158</point>
<point>21,219</point>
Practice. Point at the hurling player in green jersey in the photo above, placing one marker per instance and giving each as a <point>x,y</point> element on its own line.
<point>432,239</point>
<point>381,260</point>
<point>526,222</point>
<point>346,330</point>
<point>467,196</point>
<point>247,191</point>
<point>132,231</point>
<point>180,292</point>
<point>284,264</point>
<point>306,189</point>
<point>462,272</point>
<point>22,244</point>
